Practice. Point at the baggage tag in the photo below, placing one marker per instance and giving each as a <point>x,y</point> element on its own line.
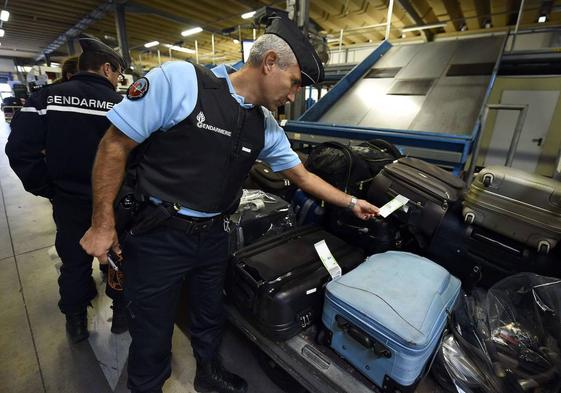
<point>398,202</point>
<point>328,259</point>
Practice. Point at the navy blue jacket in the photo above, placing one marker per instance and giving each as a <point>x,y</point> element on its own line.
<point>54,138</point>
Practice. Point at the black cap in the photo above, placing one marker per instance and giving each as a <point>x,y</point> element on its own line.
<point>92,44</point>
<point>308,60</point>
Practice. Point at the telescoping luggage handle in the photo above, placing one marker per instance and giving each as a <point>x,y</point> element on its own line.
<point>362,337</point>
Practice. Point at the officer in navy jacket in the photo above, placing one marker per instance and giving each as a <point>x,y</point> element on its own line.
<point>202,130</point>
<point>51,147</point>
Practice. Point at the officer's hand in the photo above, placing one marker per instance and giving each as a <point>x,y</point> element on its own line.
<point>365,210</point>
<point>97,242</point>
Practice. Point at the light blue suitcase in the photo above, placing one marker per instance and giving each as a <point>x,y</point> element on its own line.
<point>387,316</point>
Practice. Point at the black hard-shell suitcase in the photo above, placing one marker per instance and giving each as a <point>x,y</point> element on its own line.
<point>374,235</point>
<point>262,176</point>
<point>432,192</point>
<point>265,216</point>
<point>278,283</point>
<point>479,256</point>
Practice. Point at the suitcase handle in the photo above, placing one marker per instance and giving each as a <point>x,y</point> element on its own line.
<point>362,337</point>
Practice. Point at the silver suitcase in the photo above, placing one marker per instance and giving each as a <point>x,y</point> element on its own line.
<point>519,205</point>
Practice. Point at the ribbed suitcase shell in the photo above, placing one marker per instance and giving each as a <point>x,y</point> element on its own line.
<point>277,283</point>
<point>400,300</point>
<point>519,205</point>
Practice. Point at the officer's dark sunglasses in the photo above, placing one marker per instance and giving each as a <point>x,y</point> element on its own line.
<point>121,78</point>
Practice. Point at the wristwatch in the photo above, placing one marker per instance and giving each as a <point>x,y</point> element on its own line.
<point>352,203</point>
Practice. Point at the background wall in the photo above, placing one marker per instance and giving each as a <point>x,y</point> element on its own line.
<point>552,142</point>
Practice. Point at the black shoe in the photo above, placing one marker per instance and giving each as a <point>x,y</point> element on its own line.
<point>77,326</point>
<point>119,322</point>
<point>211,376</point>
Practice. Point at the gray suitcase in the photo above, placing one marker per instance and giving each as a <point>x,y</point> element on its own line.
<point>516,204</point>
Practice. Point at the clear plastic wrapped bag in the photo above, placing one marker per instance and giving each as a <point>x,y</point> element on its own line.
<point>511,335</point>
<point>259,214</point>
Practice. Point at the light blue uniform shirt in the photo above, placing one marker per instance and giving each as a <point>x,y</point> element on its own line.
<point>171,97</point>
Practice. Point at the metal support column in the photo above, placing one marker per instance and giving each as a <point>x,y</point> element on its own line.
<point>121,28</point>
<point>517,25</point>
<point>301,17</point>
<point>523,109</point>
<point>213,48</point>
<point>389,20</point>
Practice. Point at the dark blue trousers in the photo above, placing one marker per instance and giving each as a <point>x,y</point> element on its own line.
<point>73,216</point>
<point>156,265</point>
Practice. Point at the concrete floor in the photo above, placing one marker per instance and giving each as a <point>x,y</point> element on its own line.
<point>35,354</point>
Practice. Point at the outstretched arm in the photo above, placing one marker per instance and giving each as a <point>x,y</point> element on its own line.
<point>319,188</point>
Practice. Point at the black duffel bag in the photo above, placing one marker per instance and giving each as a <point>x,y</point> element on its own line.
<point>351,168</point>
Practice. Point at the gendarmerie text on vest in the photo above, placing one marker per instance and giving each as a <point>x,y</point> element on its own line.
<point>77,101</point>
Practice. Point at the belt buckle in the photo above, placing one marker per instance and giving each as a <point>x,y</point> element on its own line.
<point>200,226</point>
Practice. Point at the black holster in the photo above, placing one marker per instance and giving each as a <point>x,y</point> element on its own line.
<point>149,217</point>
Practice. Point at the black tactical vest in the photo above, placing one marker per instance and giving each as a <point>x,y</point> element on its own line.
<point>202,162</point>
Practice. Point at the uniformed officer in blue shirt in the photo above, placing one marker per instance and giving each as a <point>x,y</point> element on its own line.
<point>51,147</point>
<point>200,131</point>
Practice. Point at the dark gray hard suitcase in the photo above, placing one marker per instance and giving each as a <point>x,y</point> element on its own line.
<point>431,190</point>
<point>519,205</point>
<point>479,256</point>
<point>278,282</point>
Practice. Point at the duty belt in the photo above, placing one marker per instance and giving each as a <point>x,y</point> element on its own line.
<point>152,216</point>
<point>190,225</point>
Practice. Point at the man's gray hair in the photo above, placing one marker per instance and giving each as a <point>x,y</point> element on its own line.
<point>272,42</point>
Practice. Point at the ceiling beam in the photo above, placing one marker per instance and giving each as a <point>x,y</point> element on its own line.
<point>79,27</point>
<point>412,12</point>
<point>483,9</point>
<point>545,8</point>
<point>145,9</point>
<point>455,12</point>
<point>513,6</point>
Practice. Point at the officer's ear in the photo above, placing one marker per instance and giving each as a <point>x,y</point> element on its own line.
<point>269,61</point>
<point>106,68</point>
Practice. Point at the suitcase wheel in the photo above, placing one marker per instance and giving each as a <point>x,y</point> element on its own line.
<point>469,218</point>
<point>543,247</point>
<point>487,179</point>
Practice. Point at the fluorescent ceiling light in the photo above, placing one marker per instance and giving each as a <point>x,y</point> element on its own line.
<point>248,15</point>
<point>151,44</point>
<point>192,31</point>
<point>179,48</point>
<point>2,32</point>
<point>542,19</point>
<point>53,64</point>
<point>4,15</point>
<point>423,27</point>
